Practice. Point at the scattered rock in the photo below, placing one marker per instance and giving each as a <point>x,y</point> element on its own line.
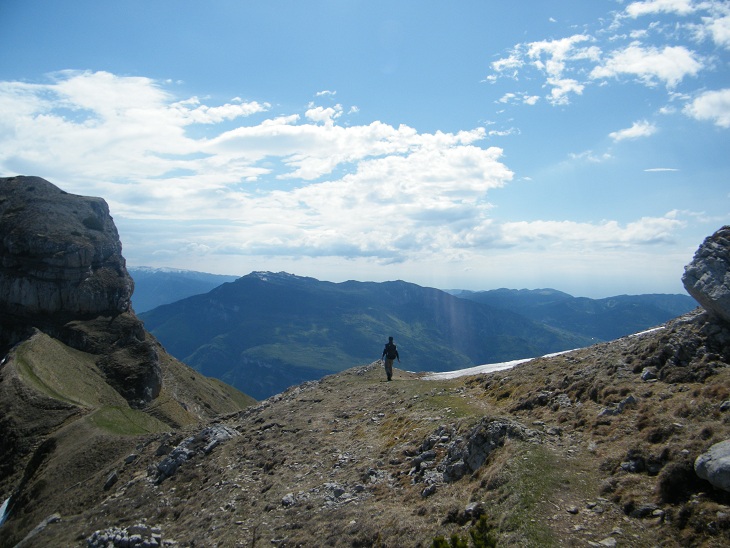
<point>714,465</point>
<point>619,408</point>
<point>200,444</point>
<point>644,511</point>
<point>649,374</point>
<point>485,438</point>
<point>428,491</point>
<point>111,480</point>
<point>137,536</point>
<point>288,500</point>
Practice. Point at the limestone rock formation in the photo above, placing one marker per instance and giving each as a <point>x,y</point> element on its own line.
<point>59,253</point>
<point>707,277</point>
<point>61,269</point>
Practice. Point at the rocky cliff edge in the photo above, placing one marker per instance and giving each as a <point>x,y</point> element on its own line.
<point>78,371</point>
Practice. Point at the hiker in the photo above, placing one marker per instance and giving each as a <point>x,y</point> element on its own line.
<point>390,353</point>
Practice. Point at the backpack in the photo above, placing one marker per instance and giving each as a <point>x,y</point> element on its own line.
<point>391,351</point>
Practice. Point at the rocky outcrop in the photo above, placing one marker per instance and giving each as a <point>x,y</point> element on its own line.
<point>707,277</point>
<point>62,272</point>
<point>60,254</point>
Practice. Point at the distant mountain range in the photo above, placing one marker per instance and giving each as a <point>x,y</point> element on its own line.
<point>264,332</point>
<point>601,319</point>
<point>157,286</point>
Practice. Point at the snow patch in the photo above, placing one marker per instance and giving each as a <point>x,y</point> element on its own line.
<point>647,331</point>
<point>487,368</point>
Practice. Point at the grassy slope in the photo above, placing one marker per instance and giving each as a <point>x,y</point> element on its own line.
<point>355,432</point>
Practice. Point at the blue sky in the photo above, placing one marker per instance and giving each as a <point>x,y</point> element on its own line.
<point>578,145</point>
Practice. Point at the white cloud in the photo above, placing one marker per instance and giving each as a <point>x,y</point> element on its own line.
<point>516,98</point>
<point>503,132</point>
<point>324,115</point>
<point>590,156</point>
<point>551,56</point>
<point>719,29</point>
<point>660,169</point>
<point>562,88</point>
<point>711,105</point>
<point>132,142</point>
<point>650,7</point>
<point>639,129</point>
<point>645,231</point>
<point>511,63</point>
<point>670,64</point>
<point>203,114</point>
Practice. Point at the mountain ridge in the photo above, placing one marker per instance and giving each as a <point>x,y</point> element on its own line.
<point>263,322</point>
<point>157,286</point>
<point>266,329</point>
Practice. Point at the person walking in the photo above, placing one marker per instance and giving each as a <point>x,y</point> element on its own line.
<point>390,353</point>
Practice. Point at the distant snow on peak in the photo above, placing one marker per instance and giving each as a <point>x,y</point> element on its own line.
<point>152,269</point>
<point>266,276</point>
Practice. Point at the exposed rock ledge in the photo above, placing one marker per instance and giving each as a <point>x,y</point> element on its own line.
<point>62,272</point>
<point>60,254</point>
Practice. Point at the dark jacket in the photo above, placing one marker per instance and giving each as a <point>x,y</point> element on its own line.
<point>390,351</point>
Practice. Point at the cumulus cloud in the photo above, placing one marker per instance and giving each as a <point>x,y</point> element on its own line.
<point>719,28</point>
<point>713,106</point>
<point>650,7</point>
<point>135,143</point>
<point>324,115</point>
<point>670,64</point>
<point>638,129</point>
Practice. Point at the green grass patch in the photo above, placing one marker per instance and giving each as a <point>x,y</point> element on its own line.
<point>536,475</point>
<point>125,421</point>
<point>457,407</point>
<point>63,373</point>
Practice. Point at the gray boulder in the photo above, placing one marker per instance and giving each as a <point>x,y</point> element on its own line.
<point>707,277</point>
<point>714,465</point>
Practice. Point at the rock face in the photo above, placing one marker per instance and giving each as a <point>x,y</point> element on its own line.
<point>707,277</point>
<point>60,254</point>
<point>62,272</point>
